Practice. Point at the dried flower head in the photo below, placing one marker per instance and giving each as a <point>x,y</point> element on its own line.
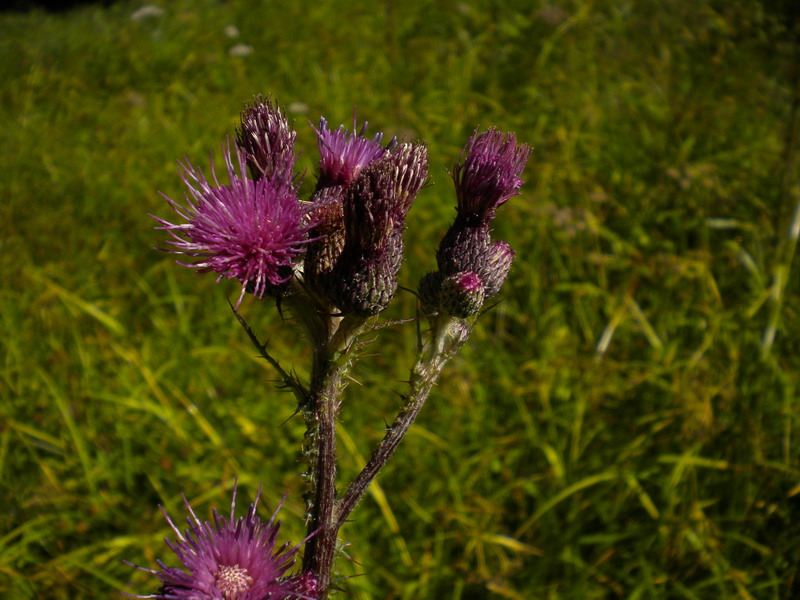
<point>231,559</point>
<point>267,141</point>
<point>375,209</point>
<point>251,231</point>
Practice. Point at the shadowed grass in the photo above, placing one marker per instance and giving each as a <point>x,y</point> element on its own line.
<point>623,424</point>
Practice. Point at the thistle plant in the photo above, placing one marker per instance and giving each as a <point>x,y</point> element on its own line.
<point>332,263</point>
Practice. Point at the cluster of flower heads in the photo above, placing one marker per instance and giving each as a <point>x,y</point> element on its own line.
<point>472,267</point>
<point>231,559</point>
<point>363,194</point>
<point>346,243</point>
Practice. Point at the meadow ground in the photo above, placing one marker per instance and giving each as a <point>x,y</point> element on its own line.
<point>624,424</point>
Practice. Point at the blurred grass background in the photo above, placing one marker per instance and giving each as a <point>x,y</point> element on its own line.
<point>623,425</point>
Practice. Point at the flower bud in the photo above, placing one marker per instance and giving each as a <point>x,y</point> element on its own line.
<point>486,176</point>
<point>368,288</point>
<point>496,266</point>
<point>268,142</point>
<point>375,207</point>
<point>462,294</point>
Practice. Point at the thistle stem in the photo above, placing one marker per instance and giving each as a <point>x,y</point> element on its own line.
<point>331,363</point>
<point>449,334</point>
<point>332,360</point>
<point>321,548</point>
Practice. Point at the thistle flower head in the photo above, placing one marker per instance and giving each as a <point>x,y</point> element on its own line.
<point>375,209</point>
<point>377,203</point>
<point>488,175</point>
<point>231,559</point>
<point>267,141</point>
<point>246,230</point>
<point>343,154</point>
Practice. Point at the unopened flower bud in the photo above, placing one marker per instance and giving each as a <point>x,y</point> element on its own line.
<point>268,142</point>
<point>367,290</point>
<point>495,267</point>
<point>462,294</point>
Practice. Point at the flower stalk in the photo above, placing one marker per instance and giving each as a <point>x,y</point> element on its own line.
<point>326,388</point>
<point>449,334</point>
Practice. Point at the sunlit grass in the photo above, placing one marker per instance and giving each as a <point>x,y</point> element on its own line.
<point>622,425</point>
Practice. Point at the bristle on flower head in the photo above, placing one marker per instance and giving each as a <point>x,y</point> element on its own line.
<point>488,174</point>
<point>462,294</point>
<point>343,154</point>
<point>231,559</point>
<point>247,230</point>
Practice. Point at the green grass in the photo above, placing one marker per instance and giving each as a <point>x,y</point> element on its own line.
<point>623,425</point>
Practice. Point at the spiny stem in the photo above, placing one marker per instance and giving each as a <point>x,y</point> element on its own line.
<point>331,363</point>
<point>321,548</point>
<point>300,392</point>
<point>448,335</point>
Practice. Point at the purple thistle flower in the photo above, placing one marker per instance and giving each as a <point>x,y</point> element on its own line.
<point>248,231</point>
<point>489,175</point>
<point>231,559</point>
<point>268,142</point>
<point>344,155</point>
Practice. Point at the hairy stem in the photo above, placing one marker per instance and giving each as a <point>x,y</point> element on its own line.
<point>448,335</point>
<point>321,548</point>
<point>332,359</point>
